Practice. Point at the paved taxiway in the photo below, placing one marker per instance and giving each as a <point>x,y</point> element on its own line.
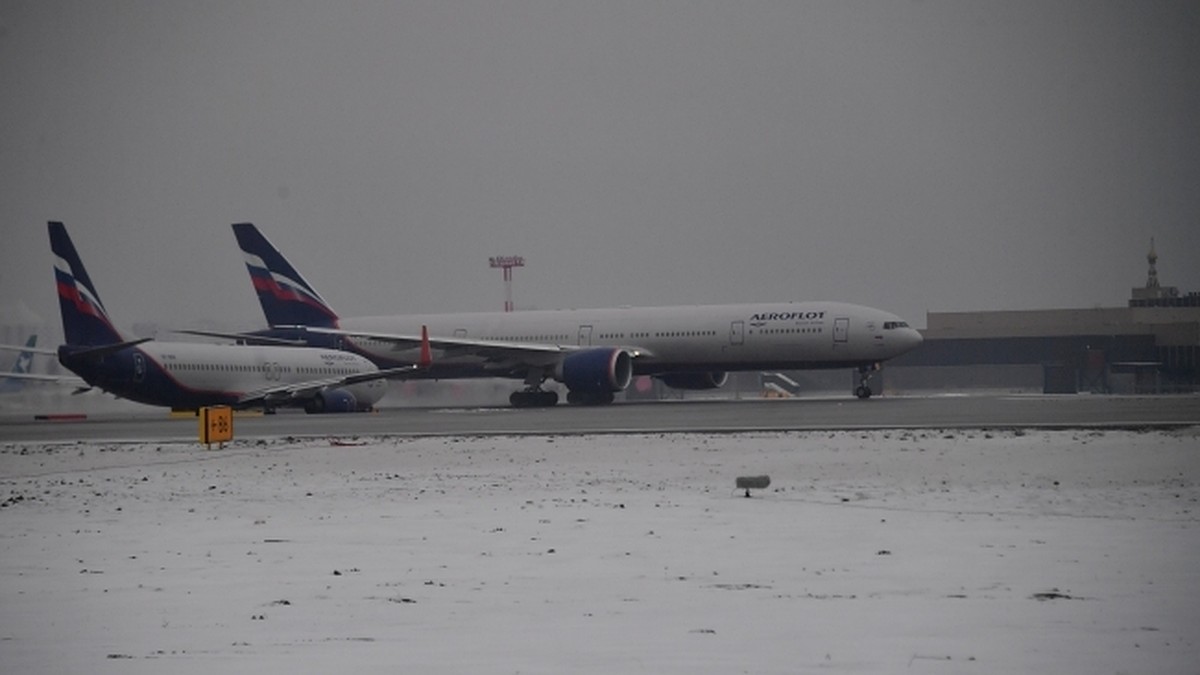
<point>713,416</point>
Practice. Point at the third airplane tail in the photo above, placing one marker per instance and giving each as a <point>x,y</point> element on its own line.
<point>21,366</point>
<point>286,298</point>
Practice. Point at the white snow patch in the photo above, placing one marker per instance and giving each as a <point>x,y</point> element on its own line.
<point>871,552</point>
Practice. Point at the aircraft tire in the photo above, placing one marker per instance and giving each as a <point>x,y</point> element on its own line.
<point>533,399</point>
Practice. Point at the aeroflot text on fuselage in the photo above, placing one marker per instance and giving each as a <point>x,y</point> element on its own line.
<point>788,316</point>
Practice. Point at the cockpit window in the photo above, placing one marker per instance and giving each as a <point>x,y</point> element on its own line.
<point>889,325</point>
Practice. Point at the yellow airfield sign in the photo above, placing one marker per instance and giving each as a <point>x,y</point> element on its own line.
<point>216,424</point>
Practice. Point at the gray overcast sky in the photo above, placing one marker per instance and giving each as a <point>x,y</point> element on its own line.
<point>911,156</point>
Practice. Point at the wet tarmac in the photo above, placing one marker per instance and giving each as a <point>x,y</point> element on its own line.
<point>707,416</point>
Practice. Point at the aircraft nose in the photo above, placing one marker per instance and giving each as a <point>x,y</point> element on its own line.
<point>913,339</point>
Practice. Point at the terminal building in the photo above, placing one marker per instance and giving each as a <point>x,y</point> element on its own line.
<point>1152,345</point>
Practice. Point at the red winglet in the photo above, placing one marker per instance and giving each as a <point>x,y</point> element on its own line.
<point>426,357</point>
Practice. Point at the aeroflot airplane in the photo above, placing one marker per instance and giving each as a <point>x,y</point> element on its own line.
<point>594,352</point>
<point>190,375</point>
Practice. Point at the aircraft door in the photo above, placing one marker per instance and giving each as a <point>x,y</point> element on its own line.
<point>585,336</point>
<point>737,333</point>
<point>841,330</point>
<point>460,332</point>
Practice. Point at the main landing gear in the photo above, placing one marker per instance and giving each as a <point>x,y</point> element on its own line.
<point>863,390</point>
<point>540,398</point>
<point>534,397</point>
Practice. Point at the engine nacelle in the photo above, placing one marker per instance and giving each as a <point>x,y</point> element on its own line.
<point>332,400</point>
<point>695,381</point>
<point>596,370</point>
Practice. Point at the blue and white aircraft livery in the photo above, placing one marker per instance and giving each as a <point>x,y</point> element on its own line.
<point>21,375</point>
<point>191,375</point>
<point>594,352</point>
<point>20,368</point>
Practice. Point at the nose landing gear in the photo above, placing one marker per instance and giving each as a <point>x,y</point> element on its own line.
<point>863,390</point>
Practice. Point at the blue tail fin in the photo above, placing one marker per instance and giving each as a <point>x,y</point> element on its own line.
<point>85,321</point>
<point>286,298</point>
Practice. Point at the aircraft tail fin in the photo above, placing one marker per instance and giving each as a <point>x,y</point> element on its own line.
<point>85,321</point>
<point>20,367</point>
<point>286,298</point>
<point>25,358</point>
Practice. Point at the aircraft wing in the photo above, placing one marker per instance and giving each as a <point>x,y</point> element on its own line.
<point>19,374</point>
<point>402,342</point>
<point>39,378</point>
<point>492,350</point>
<point>31,350</point>
<point>102,351</point>
<point>285,393</point>
<point>246,338</point>
<point>55,379</point>
<point>91,352</point>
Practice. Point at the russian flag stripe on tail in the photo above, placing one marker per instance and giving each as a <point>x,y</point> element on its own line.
<point>85,321</point>
<point>286,298</point>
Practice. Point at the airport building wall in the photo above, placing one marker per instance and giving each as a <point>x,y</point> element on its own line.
<point>1136,349</point>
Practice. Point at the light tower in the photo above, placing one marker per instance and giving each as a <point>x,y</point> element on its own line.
<point>1152,258</point>
<point>1153,294</point>
<point>507,263</point>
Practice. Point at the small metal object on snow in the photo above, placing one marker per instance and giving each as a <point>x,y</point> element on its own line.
<point>749,483</point>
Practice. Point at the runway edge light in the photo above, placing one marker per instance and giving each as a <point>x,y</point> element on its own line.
<point>216,425</point>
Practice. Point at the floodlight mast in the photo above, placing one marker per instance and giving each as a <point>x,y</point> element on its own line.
<point>507,263</point>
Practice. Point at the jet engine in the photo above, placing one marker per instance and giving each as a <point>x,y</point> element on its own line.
<point>695,381</point>
<point>332,400</point>
<point>596,371</point>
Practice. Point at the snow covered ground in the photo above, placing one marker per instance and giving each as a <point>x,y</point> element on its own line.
<point>871,552</point>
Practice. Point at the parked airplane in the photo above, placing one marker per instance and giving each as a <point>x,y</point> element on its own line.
<point>190,375</point>
<point>14,383</point>
<point>20,376</point>
<point>594,352</point>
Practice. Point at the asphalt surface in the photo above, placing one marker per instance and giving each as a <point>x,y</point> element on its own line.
<point>700,416</point>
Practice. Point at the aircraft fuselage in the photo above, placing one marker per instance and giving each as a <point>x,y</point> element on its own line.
<point>190,375</point>
<point>782,336</point>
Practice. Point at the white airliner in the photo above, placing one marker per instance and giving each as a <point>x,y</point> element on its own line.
<point>190,375</point>
<point>594,352</point>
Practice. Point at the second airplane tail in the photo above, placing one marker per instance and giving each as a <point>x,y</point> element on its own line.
<point>286,298</point>
<point>85,321</point>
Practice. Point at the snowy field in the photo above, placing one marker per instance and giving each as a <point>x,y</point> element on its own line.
<point>871,552</point>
